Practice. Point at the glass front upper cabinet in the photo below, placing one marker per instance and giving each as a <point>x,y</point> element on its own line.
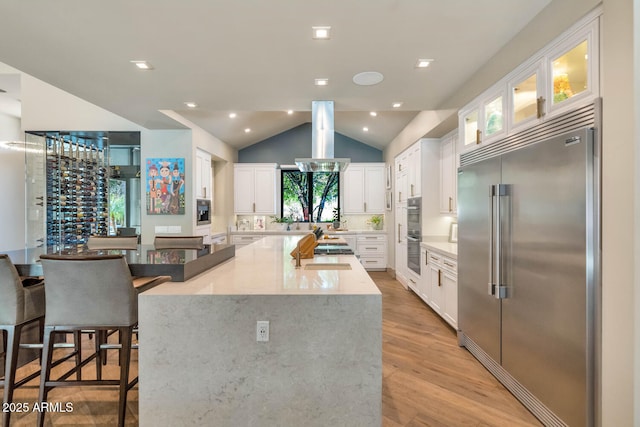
<point>493,116</point>
<point>570,73</point>
<point>525,98</point>
<point>470,128</point>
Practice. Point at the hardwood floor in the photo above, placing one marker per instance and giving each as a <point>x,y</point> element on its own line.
<point>427,379</point>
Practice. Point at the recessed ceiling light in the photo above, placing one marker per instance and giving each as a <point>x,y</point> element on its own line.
<point>396,104</point>
<point>191,104</point>
<point>289,112</point>
<point>368,78</point>
<point>247,130</point>
<point>423,63</point>
<point>365,129</point>
<point>321,33</point>
<point>232,115</point>
<point>142,65</point>
<point>373,114</point>
<point>322,82</point>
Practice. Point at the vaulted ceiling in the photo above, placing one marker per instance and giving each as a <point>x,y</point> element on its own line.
<point>258,59</point>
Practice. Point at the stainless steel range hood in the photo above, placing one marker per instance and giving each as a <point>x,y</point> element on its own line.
<point>322,133</point>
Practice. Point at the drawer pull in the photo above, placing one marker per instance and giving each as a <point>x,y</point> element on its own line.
<point>373,249</point>
<point>434,258</point>
<point>448,265</point>
<point>412,281</point>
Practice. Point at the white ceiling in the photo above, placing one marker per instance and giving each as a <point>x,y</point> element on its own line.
<point>257,57</point>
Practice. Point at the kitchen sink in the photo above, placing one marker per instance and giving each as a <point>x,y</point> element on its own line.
<point>328,266</point>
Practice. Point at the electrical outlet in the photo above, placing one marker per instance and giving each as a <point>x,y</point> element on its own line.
<point>262,331</point>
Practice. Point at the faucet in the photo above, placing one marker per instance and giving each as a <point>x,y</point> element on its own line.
<point>298,265</point>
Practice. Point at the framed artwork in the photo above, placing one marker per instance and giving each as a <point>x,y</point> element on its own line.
<point>165,186</point>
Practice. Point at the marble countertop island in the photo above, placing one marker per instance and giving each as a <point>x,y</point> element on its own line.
<point>201,363</point>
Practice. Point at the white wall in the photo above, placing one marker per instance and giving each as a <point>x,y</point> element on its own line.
<point>12,198</point>
<point>223,156</point>
<point>619,216</point>
<point>167,143</point>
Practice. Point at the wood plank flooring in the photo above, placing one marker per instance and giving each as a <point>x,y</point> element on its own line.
<point>427,379</point>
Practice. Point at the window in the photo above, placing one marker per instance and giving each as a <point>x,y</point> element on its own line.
<point>305,193</point>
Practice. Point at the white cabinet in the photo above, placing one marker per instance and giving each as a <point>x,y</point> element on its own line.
<point>364,186</point>
<point>255,188</point>
<point>443,281</point>
<point>219,240</point>
<point>413,172</point>
<point>372,249</point>
<point>483,121</point>
<point>424,286</point>
<point>241,240</point>
<point>203,174</point>
<point>408,176</point>
<point>401,245</point>
<point>448,174</point>
<point>562,76</point>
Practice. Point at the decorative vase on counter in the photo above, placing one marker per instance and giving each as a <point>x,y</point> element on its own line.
<point>336,225</point>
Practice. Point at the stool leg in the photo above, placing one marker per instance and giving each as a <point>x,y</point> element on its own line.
<point>11,346</point>
<point>77,338</point>
<point>99,354</point>
<point>125,359</point>
<point>45,372</point>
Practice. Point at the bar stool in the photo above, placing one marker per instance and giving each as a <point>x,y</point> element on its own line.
<point>88,293</point>
<point>112,242</point>
<point>19,306</point>
<point>178,242</point>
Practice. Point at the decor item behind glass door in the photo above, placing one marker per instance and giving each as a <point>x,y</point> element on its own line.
<point>414,233</point>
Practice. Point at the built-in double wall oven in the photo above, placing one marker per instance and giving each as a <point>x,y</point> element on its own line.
<point>414,233</point>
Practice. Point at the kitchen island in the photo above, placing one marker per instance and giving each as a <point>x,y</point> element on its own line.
<point>200,362</point>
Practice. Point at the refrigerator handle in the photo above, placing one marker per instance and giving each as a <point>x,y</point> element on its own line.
<point>500,291</point>
<point>492,193</point>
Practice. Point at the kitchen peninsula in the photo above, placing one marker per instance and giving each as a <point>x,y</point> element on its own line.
<point>201,364</point>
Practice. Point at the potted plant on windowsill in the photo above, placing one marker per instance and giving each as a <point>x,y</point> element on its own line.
<point>336,218</point>
<point>285,221</point>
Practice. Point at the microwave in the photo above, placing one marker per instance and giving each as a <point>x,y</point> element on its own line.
<point>203,212</point>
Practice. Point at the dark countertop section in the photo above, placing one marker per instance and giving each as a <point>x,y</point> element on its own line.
<point>180,264</point>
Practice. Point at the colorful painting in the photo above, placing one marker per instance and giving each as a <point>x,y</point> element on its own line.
<point>165,186</point>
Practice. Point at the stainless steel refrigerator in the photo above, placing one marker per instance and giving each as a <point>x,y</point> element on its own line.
<point>528,260</point>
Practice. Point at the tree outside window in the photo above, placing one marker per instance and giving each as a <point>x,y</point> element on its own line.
<point>309,196</point>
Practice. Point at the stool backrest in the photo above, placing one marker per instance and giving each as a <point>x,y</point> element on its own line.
<point>112,242</point>
<point>11,293</point>
<point>178,242</point>
<point>89,290</point>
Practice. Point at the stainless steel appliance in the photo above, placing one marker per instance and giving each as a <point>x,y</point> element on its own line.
<point>203,210</point>
<point>528,267</point>
<point>414,233</point>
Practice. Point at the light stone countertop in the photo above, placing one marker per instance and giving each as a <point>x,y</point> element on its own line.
<point>448,248</point>
<point>305,231</point>
<point>266,268</point>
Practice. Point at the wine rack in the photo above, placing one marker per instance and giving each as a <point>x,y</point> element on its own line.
<point>77,185</point>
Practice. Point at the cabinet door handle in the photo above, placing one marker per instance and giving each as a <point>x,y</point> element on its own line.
<point>365,206</point>
<point>478,136</point>
<point>399,233</point>
<point>450,203</point>
<point>254,206</point>
<point>540,107</point>
<point>439,277</point>
<point>399,196</point>
<point>411,190</point>
<point>204,192</point>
